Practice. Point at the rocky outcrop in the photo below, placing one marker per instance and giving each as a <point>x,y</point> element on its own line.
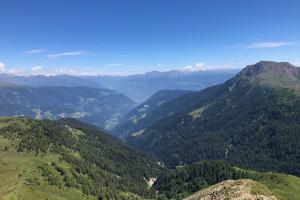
<point>243,189</point>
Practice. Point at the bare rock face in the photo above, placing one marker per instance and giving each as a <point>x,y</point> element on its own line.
<point>243,189</point>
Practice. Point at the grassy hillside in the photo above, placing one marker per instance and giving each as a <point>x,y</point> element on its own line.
<point>69,160</point>
<point>283,186</point>
<point>21,178</point>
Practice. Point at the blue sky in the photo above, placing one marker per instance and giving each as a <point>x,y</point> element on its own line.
<point>134,36</point>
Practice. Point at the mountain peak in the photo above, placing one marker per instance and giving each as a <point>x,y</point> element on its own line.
<point>272,68</point>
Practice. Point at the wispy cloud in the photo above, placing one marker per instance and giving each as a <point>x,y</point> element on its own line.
<point>36,68</point>
<point>114,65</point>
<point>297,63</point>
<point>263,45</point>
<point>2,67</point>
<point>260,45</point>
<point>17,71</point>
<point>195,67</point>
<point>70,53</point>
<point>34,51</point>
<point>77,71</point>
<point>203,67</point>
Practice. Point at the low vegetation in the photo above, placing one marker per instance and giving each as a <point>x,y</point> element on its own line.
<point>70,155</point>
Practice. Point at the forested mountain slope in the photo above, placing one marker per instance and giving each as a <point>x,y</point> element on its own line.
<point>69,160</point>
<point>252,120</point>
<point>189,179</point>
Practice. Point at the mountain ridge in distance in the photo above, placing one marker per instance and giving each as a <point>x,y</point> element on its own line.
<point>53,80</point>
<point>138,87</point>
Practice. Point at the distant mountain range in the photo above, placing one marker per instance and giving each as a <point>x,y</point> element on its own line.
<point>93,99</point>
<point>41,80</point>
<point>101,107</point>
<point>137,87</point>
<point>252,120</point>
<point>140,87</point>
